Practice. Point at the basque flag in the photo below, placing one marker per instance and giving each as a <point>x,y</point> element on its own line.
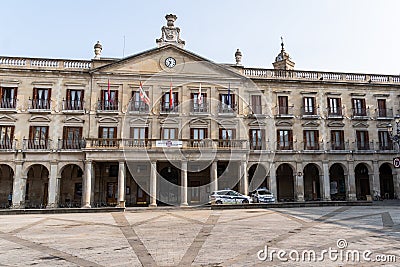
<point>143,95</point>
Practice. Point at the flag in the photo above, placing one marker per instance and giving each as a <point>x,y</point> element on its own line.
<point>143,95</point>
<point>200,96</point>
<point>170,96</point>
<point>228,99</point>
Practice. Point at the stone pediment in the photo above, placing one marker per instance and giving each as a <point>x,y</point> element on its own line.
<point>154,61</point>
<point>39,118</point>
<point>199,122</point>
<point>170,121</point>
<point>284,123</point>
<point>6,118</point>
<point>256,123</point>
<point>140,122</point>
<point>108,120</point>
<point>383,125</point>
<point>227,123</point>
<point>74,120</point>
<point>310,124</point>
<point>360,125</point>
<point>336,124</point>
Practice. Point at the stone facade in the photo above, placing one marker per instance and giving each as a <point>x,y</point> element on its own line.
<point>133,131</point>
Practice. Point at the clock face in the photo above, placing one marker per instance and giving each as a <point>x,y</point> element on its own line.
<point>170,62</point>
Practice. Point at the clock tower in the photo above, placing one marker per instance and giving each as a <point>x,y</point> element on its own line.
<point>283,60</point>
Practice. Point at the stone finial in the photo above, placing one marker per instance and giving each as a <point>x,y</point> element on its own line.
<point>238,57</point>
<point>97,50</point>
<point>170,34</point>
<point>283,60</point>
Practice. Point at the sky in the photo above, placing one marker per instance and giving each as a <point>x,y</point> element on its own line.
<point>357,36</point>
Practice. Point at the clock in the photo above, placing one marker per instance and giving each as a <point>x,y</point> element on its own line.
<point>170,62</point>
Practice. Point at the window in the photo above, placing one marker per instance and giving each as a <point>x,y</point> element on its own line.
<point>8,97</point>
<point>107,133</point>
<point>38,137</point>
<point>41,98</point>
<point>256,104</point>
<point>6,137</point>
<point>225,137</point>
<point>309,106</point>
<point>109,100</point>
<point>283,106</point>
<point>256,139</point>
<point>169,104</point>
<point>285,140</point>
<point>227,103</point>
<point>74,100</point>
<point>311,140</point>
<point>139,136</point>
<point>199,105</point>
<point>334,106</point>
<point>359,108</point>
<point>385,143</point>
<point>137,104</point>
<point>197,136</point>
<point>382,112</point>
<point>362,140</point>
<point>169,133</point>
<point>72,138</point>
<point>337,140</point>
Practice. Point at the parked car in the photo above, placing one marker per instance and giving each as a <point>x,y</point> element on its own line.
<point>228,197</point>
<point>262,195</point>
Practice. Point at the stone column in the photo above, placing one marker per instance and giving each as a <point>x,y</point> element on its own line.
<point>244,181</point>
<point>299,182</point>
<point>214,177</point>
<point>272,177</point>
<point>54,186</point>
<point>351,183</point>
<point>87,185</point>
<point>376,185</point>
<point>326,189</point>
<point>184,184</point>
<point>153,184</point>
<point>121,184</point>
<point>19,187</point>
<point>396,182</point>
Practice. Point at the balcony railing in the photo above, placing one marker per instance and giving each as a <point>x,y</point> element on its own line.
<point>309,112</point>
<point>200,143</point>
<point>224,143</point>
<point>69,144</point>
<point>313,145</point>
<point>339,146</point>
<point>138,107</point>
<point>199,108</point>
<point>364,146</point>
<point>107,106</point>
<point>335,112</point>
<point>256,109</point>
<point>284,146</point>
<point>165,108</point>
<point>37,144</point>
<point>257,145</point>
<point>73,105</point>
<point>386,146</point>
<point>226,109</point>
<point>284,112</point>
<point>359,113</point>
<point>39,105</point>
<point>7,144</point>
<point>137,143</point>
<point>384,113</point>
<point>8,103</point>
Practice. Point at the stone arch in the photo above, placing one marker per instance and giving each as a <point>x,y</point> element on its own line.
<point>386,179</point>
<point>363,188</point>
<point>6,184</point>
<point>312,182</point>
<point>71,186</point>
<point>36,190</point>
<point>337,181</point>
<point>258,177</point>
<point>285,182</point>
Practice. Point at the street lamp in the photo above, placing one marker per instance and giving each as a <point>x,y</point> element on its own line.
<point>395,137</point>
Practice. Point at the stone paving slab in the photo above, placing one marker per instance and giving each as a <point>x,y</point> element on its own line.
<point>197,237</point>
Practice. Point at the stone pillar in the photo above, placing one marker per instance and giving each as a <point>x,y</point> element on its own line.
<point>299,183</point>
<point>376,185</point>
<point>396,182</point>
<point>19,187</point>
<point>272,177</point>
<point>326,187</point>
<point>153,184</point>
<point>214,177</point>
<point>184,184</point>
<point>87,185</point>
<point>351,182</point>
<point>244,181</point>
<point>54,186</point>
<point>121,184</point>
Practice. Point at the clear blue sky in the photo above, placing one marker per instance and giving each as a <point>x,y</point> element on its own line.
<point>330,35</point>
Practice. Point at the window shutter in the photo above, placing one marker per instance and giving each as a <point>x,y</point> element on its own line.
<point>205,133</point>
<point>278,135</point>
<point>116,96</point>
<point>146,133</point>
<point>46,132</point>
<point>115,132</point>
<point>12,133</point>
<point>192,134</point>
<point>100,132</point>
<point>49,95</point>
<point>31,132</point>
<point>35,93</point>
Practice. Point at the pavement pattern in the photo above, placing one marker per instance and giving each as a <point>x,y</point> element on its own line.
<point>202,237</point>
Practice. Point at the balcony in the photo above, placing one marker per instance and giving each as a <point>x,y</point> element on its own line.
<point>200,143</point>
<point>257,145</point>
<point>224,109</point>
<point>202,108</point>
<point>232,144</point>
<point>364,146</point>
<point>7,144</point>
<point>359,113</point>
<point>309,113</point>
<point>284,112</point>
<point>39,105</point>
<point>73,106</point>
<point>107,106</point>
<point>138,107</point>
<point>165,108</point>
<point>339,146</point>
<point>286,146</point>
<point>313,146</point>
<point>335,112</point>
<point>135,143</point>
<point>36,144</point>
<point>68,144</point>
<point>386,146</point>
<point>384,114</point>
<point>8,104</point>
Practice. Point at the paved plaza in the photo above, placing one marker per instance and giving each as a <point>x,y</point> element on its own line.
<point>202,237</point>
